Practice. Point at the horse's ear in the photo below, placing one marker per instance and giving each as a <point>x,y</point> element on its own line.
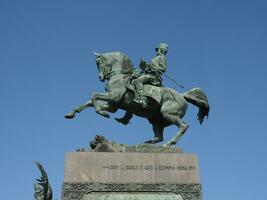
<point>96,54</point>
<point>99,56</point>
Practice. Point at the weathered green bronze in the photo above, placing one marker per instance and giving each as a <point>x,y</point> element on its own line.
<point>141,94</point>
<point>42,188</point>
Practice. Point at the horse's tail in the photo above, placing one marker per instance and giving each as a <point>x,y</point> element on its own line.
<point>198,98</point>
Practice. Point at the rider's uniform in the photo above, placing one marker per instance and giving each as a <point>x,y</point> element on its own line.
<point>152,73</point>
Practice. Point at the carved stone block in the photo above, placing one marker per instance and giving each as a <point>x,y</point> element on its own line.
<point>131,176</point>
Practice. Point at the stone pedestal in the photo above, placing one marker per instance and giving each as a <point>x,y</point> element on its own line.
<point>131,176</point>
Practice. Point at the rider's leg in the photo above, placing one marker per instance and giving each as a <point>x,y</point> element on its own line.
<point>139,86</point>
<point>139,82</point>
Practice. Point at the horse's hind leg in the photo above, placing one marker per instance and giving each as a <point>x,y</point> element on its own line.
<point>173,119</point>
<point>158,133</point>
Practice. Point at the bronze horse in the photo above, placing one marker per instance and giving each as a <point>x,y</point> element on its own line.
<point>165,106</point>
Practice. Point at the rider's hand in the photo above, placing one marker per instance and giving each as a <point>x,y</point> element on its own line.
<point>142,63</point>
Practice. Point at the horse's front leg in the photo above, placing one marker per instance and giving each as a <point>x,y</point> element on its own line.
<point>79,109</point>
<point>101,101</point>
<point>112,97</point>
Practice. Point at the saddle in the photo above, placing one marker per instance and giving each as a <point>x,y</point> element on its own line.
<point>151,91</point>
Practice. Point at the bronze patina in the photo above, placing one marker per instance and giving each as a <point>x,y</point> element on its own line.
<point>141,93</point>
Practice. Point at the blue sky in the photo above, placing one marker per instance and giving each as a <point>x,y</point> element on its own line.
<point>47,68</point>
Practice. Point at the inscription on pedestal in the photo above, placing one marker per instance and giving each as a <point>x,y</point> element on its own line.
<point>131,167</point>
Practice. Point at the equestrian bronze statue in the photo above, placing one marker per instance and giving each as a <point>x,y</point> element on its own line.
<point>127,90</point>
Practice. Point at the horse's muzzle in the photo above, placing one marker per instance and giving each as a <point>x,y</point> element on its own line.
<point>101,78</point>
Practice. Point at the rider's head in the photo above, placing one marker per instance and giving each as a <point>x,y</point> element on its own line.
<point>162,48</point>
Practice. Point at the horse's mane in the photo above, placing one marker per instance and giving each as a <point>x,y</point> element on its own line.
<point>127,64</point>
<point>122,59</point>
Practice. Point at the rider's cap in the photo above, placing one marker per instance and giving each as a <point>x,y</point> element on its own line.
<point>162,45</point>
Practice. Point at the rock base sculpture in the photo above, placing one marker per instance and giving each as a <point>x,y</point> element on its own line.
<point>101,144</point>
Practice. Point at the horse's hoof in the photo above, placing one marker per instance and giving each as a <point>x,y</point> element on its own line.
<point>154,141</point>
<point>166,145</point>
<point>103,113</point>
<point>122,121</point>
<point>148,142</point>
<point>169,143</point>
<point>70,115</point>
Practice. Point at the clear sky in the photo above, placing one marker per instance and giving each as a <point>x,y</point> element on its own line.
<point>47,68</point>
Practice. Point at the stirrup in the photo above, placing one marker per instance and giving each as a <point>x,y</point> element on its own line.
<point>141,100</point>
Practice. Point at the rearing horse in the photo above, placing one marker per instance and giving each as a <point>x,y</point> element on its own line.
<point>165,106</point>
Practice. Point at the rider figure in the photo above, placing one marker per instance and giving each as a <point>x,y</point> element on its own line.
<point>152,72</point>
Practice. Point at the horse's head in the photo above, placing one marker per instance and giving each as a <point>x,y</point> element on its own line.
<point>100,63</point>
<point>111,63</point>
